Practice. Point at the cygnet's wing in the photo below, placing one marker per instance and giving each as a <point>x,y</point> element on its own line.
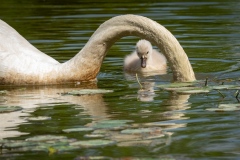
<point>132,62</point>
<point>158,58</point>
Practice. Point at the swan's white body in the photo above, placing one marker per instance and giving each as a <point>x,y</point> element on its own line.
<point>22,63</point>
<point>19,59</point>
<point>145,59</point>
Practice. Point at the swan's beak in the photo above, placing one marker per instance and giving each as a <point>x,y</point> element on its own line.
<point>143,62</point>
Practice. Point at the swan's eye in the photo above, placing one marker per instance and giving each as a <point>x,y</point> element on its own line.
<point>147,52</point>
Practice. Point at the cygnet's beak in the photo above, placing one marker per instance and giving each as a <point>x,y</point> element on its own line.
<point>143,62</point>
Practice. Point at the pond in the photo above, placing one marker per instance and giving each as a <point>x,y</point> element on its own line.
<point>126,120</point>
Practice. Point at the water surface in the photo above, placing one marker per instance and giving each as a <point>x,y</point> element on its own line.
<point>177,126</point>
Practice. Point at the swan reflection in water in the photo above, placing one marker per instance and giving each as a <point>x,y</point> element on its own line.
<point>33,98</point>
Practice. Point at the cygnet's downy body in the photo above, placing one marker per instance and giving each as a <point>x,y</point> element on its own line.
<point>145,59</point>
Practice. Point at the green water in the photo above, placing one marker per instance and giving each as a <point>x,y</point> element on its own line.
<point>209,32</point>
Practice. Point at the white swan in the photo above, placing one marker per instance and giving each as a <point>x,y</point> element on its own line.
<point>22,63</point>
<point>145,59</point>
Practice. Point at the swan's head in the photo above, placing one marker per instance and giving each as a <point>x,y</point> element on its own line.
<point>143,50</point>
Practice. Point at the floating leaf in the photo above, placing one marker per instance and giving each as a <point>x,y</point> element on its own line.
<point>87,91</point>
<point>17,144</point>
<point>2,92</point>
<point>63,148</point>
<point>115,121</point>
<point>96,158</point>
<point>48,143</point>
<point>195,90</point>
<point>222,109</point>
<point>80,129</point>
<point>94,136</point>
<point>175,85</point>
<point>108,126</point>
<point>225,87</point>
<point>225,107</point>
<point>34,148</point>
<point>39,118</point>
<point>137,131</point>
<point>135,143</point>
<point>180,88</point>
<point>162,124</point>
<point>100,131</point>
<point>155,136</point>
<point>46,138</point>
<point>93,143</point>
<point>6,109</point>
<point>229,105</point>
<point>111,124</point>
<point>187,88</point>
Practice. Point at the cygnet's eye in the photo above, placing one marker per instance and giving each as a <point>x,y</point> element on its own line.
<point>147,52</point>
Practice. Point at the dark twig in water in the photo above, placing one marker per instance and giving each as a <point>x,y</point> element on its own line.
<point>206,82</point>
<point>221,94</point>
<point>237,93</point>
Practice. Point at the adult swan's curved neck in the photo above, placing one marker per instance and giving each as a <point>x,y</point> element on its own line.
<point>86,64</point>
<point>21,63</point>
